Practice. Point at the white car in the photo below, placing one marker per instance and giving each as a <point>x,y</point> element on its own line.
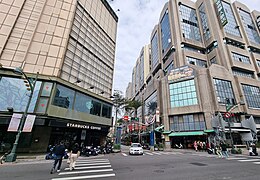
<point>136,148</point>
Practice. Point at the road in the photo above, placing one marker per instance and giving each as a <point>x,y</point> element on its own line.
<point>179,165</point>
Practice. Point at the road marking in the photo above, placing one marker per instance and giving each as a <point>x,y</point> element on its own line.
<point>256,162</point>
<point>91,161</point>
<point>149,153</point>
<point>249,160</point>
<point>236,158</point>
<point>81,172</point>
<point>90,167</point>
<point>157,153</point>
<point>86,177</point>
<point>92,164</point>
<point>124,154</point>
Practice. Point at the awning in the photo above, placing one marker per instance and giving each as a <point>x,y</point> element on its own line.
<point>159,129</point>
<point>209,131</point>
<point>167,132</point>
<point>237,130</point>
<point>190,133</point>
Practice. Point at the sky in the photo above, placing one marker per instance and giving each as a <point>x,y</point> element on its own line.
<point>137,19</point>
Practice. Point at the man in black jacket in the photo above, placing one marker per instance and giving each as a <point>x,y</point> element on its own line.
<point>59,152</point>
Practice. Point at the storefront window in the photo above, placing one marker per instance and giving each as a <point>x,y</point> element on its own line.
<point>96,109</point>
<point>64,97</point>
<point>83,103</point>
<point>13,93</point>
<point>106,111</point>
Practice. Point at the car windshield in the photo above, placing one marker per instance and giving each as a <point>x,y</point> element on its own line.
<point>136,145</point>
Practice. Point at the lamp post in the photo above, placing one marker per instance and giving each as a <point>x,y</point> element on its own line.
<point>31,85</point>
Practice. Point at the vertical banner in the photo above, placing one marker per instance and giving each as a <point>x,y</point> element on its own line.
<point>152,138</point>
<point>118,135</point>
<point>29,122</point>
<point>14,123</point>
<point>83,134</point>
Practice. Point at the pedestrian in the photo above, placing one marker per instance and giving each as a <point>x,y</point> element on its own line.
<point>218,151</point>
<point>58,152</point>
<point>224,149</point>
<point>195,144</point>
<point>74,154</point>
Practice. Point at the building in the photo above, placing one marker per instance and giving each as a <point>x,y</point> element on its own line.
<point>71,44</point>
<point>204,59</point>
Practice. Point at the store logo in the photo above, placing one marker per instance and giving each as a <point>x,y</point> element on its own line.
<point>74,125</point>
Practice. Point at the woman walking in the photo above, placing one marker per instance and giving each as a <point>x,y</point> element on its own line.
<point>74,154</point>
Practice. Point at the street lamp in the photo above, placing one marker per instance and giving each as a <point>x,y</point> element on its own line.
<point>229,108</point>
<point>31,85</point>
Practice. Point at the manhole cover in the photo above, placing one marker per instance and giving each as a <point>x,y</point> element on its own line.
<point>159,171</point>
<point>198,164</point>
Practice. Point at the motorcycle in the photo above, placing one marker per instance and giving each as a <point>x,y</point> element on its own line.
<point>50,154</point>
<point>210,151</point>
<point>86,151</point>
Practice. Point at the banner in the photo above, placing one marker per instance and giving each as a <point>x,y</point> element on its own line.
<point>29,122</point>
<point>14,123</point>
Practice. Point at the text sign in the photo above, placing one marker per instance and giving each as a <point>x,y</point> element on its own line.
<point>29,122</point>
<point>74,125</point>
<point>14,123</point>
<point>178,74</point>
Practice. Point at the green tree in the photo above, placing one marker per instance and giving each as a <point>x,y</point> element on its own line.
<point>133,105</point>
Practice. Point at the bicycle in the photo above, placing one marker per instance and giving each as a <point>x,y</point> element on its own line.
<point>3,157</point>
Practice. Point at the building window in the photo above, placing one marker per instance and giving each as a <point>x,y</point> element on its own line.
<point>106,111</point>
<point>154,50</point>
<point>142,69</point>
<point>213,60</point>
<point>252,94</point>
<point>249,26</point>
<point>194,49</point>
<point>197,62</point>
<point>231,27</point>
<point>224,91</point>
<point>246,74</point>
<point>189,23</point>
<point>150,104</point>
<point>165,32</point>
<point>258,63</point>
<point>168,69</point>
<point>204,21</point>
<point>64,97</point>
<point>240,58</point>
<point>191,122</point>
<point>183,93</point>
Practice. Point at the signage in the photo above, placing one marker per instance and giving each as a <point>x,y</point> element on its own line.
<point>29,122</point>
<point>126,118</point>
<point>221,13</point>
<point>181,73</point>
<point>75,125</point>
<point>14,123</point>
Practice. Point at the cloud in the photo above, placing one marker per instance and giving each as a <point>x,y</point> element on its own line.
<point>137,19</point>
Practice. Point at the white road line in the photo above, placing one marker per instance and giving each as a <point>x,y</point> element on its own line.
<point>89,167</point>
<point>236,158</point>
<point>149,153</point>
<point>157,153</point>
<point>86,177</point>
<point>165,153</point>
<point>256,162</point>
<point>249,160</point>
<point>92,164</point>
<point>124,154</point>
<point>91,161</point>
<point>81,172</point>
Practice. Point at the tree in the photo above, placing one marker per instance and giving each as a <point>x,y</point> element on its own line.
<point>152,107</point>
<point>133,105</point>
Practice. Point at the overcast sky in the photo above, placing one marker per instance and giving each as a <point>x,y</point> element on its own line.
<point>137,19</point>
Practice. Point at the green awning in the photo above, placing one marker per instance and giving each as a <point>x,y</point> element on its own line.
<point>159,129</point>
<point>190,133</point>
<point>209,131</point>
<point>167,132</point>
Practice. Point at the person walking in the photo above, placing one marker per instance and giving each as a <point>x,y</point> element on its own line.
<point>58,152</point>
<point>195,144</point>
<point>74,154</point>
<point>224,149</point>
<point>218,151</point>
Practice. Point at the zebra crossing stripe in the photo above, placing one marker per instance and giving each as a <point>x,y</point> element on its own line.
<point>235,158</point>
<point>249,160</point>
<point>256,162</point>
<point>91,161</point>
<point>124,154</point>
<point>90,167</point>
<point>81,172</point>
<point>85,177</point>
<point>157,153</point>
<point>149,153</point>
<point>92,164</point>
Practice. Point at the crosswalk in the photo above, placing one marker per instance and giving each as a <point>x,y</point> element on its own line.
<point>151,153</point>
<point>87,169</point>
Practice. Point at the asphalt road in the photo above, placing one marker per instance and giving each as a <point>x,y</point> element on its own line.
<point>181,165</point>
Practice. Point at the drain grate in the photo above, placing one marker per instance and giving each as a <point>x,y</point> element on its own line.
<point>198,164</point>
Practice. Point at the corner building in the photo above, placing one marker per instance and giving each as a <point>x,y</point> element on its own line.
<point>204,58</point>
<point>71,44</point>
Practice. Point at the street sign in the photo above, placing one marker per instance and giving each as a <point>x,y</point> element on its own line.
<point>227,115</point>
<point>126,118</point>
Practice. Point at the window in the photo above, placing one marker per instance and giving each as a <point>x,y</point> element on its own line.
<point>224,91</point>
<point>204,20</point>
<point>183,94</point>
<point>106,111</point>
<point>240,58</point>
<point>83,103</point>
<point>64,97</point>
<point>243,73</point>
<point>197,62</point>
<point>252,94</point>
<point>231,27</point>
<point>165,32</point>
<point>213,60</point>
<point>154,50</point>
<point>150,104</point>
<point>96,108</point>
<point>189,23</point>
<point>190,122</point>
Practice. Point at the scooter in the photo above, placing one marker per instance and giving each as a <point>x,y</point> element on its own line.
<point>210,151</point>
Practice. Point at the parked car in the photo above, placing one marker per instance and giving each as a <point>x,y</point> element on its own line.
<point>136,148</point>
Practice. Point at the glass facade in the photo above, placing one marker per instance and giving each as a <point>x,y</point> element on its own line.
<point>224,91</point>
<point>64,97</point>
<point>191,122</point>
<point>231,27</point>
<point>14,94</point>
<point>90,54</point>
<point>189,23</point>
<point>240,58</point>
<point>154,51</point>
<point>197,62</point>
<point>137,77</point>
<point>252,95</point>
<point>142,69</point>
<point>183,94</point>
<point>249,27</point>
<point>150,104</point>
<point>165,32</point>
<point>243,73</point>
<point>204,21</point>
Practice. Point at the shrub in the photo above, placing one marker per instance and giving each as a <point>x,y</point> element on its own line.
<point>239,151</point>
<point>117,146</point>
